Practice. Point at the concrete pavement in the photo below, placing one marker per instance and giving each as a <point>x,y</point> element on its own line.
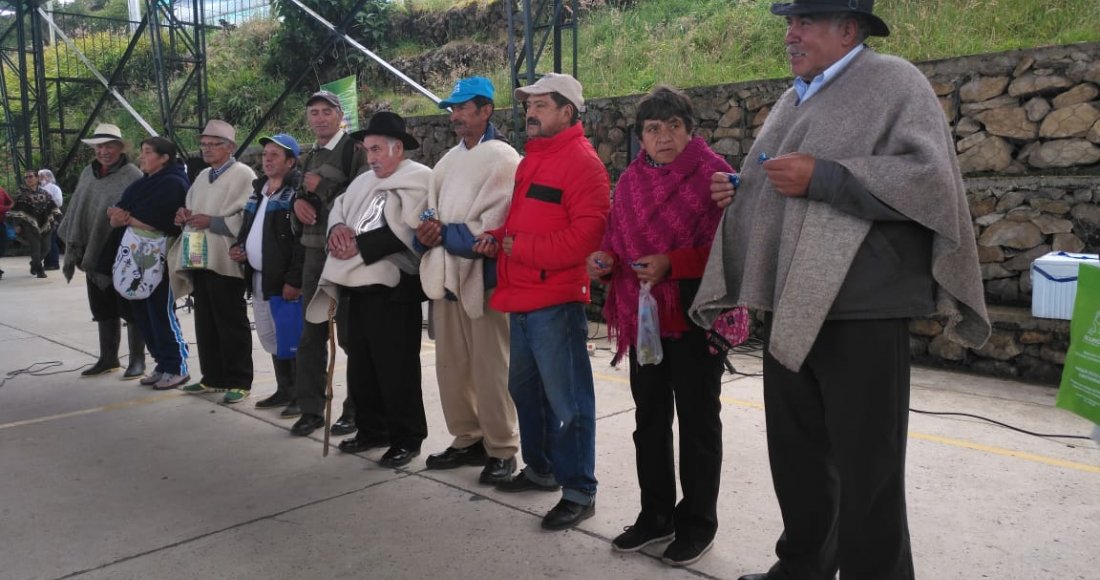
<point>106,479</point>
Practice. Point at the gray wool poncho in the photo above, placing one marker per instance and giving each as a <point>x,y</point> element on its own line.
<point>85,227</point>
<point>880,119</point>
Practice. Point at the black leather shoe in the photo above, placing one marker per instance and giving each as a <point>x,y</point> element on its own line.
<point>497,470</point>
<point>451,457</point>
<point>307,424</point>
<point>357,445</point>
<point>343,426</point>
<point>398,457</point>
<point>291,411</point>
<point>567,514</point>
<point>754,577</point>
<point>521,483</point>
<point>276,400</point>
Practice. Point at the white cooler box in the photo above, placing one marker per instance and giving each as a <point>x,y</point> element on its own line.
<point>1054,283</point>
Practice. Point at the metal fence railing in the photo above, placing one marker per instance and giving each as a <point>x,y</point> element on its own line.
<point>225,12</point>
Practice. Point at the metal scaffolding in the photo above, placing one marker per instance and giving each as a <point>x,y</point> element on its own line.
<point>39,121</point>
<point>544,22</point>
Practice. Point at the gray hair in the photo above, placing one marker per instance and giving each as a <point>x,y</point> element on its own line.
<point>837,18</point>
<point>46,175</point>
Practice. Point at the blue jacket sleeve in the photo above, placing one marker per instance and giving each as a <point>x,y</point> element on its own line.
<point>459,240</point>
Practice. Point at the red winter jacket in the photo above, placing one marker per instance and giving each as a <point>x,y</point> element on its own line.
<point>557,218</point>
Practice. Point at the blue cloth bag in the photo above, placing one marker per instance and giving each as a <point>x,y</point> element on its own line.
<point>287,316</point>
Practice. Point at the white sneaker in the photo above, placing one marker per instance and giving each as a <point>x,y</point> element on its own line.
<point>170,381</point>
<point>152,379</point>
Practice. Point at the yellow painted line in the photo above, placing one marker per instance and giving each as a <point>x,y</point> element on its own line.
<point>961,443</point>
<point>111,407</point>
<point>1007,452</point>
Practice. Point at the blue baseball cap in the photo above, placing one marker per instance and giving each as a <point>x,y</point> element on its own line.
<point>283,140</point>
<point>468,88</point>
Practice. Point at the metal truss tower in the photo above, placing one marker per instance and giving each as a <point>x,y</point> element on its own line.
<point>38,79</point>
<point>543,22</point>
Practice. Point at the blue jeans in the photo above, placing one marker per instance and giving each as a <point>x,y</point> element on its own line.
<point>550,380</point>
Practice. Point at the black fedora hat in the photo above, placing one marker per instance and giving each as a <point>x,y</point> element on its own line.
<point>387,124</point>
<point>865,8</point>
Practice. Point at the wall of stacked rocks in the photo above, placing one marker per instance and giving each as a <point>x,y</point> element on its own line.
<point>1027,131</point>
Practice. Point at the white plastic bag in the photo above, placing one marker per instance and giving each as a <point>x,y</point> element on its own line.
<point>648,348</point>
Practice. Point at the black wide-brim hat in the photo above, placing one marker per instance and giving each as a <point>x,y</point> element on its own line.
<point>387,124</point>
<point>865,8</point>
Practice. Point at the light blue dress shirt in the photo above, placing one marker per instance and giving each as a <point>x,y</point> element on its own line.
<point>806,90</point>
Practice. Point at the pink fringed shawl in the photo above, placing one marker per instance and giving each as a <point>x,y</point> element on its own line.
<point>656,210</point>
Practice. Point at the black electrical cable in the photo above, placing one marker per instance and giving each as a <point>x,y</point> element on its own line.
<point>995,422</point>
<point>38,372</point>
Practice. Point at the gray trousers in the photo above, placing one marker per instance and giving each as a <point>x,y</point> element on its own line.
<point>312,361</point>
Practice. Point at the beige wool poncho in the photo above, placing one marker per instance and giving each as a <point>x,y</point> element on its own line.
<point>880,119</point>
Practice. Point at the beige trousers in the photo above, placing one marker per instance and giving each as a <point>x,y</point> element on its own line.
<point>471,365</point>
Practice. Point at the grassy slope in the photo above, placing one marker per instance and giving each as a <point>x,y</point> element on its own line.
<point>705,42</point>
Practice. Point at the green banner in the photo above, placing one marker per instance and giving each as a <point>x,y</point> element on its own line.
<point>1080,388</point>
<point>349,101</point>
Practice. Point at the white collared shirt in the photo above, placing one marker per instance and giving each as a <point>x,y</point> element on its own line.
<point>806,90</point>
<point>333,141</point>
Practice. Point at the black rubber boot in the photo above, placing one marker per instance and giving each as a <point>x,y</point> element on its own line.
<point>110,333</point>
<point>284,384</point>
<point>136,368</point>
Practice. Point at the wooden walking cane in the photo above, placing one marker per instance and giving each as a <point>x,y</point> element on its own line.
<point>331,368</point>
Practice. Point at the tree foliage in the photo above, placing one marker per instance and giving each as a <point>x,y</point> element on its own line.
<point>300,35</point>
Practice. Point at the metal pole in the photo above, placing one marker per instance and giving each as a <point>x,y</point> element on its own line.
<point>367,52</point>
<point>110,88</point>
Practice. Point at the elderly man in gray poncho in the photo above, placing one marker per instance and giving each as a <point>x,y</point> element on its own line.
<point>857,223</point>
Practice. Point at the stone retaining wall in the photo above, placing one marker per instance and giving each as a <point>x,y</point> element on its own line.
<point>1027,131</point>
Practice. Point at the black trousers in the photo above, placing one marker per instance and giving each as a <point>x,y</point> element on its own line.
<point>104,303</point>
<point>837,431</point>
<point>688,381</point>
<point>383,349</point>
<point>222,332</point>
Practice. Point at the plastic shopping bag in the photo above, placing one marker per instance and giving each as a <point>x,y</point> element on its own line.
<point>194,252</point>
<point>286,315</point>
<point>648,347</point>
<point>1080,388</point>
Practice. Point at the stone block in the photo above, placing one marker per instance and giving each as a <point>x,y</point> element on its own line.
<point>1049,224</point>
<point>1003,290</point>
<point>1022,214</point>
<point>946,349</point>
<point>1064,153</point>
<point>1001,346</point>
<point>988,254</point>
<point>989,219</point>
<point>1011,122</point>
<point>1052,206</point>
<point>1081,93</point>
<point>1094,133</point>
<point>1011,200</point>
<point>728,146</point>
<point>1019,235</point>
<point>1023,260</point>
<point>1067,243</point>
<point>1034,337</point>
<point>1054,355</point>
<point>1033,84</point>
<point>1024,65</point>
<point>1092,75</point>
<point>1069,121</point>
<point>993,154</point>
<point>967,126</point>
<point>983,89</point>
<point>995,367</point>
<point>605,150</point>
<point>732,117</point>
<point>760,116</point>
<point>616,136</point>
<point>1037,108</point>
<point>967,142</point>
<point>997,103</point>
<point>995,270</point>
<point>981,207</point>
<point>925,327</point>
<point>942,89</point>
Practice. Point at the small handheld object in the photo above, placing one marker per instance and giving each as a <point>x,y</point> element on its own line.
<point>637,265</point>
<point>600,263</point>
<point>762,158</point>
<point>428,214</point>
<point>735,180</point>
